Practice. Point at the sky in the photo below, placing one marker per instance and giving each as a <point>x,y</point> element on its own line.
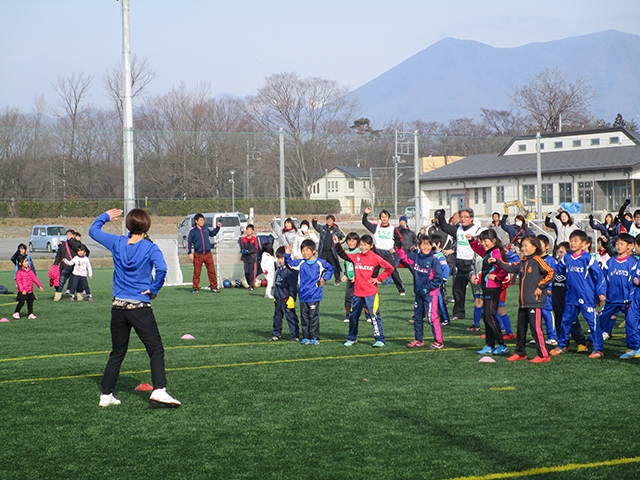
<point>232,46</point>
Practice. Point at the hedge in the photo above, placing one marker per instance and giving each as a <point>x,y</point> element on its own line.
<point>71,208</point>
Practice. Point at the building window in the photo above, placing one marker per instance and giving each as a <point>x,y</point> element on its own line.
<point>364,184</point>
<point>475,196</point>
<point>522,147</point>
<point>584,192</point>
<point>547,194</point>
<point>566,192</point>
<point>500,194</point>
<point>577,143</point>
<point>484,196</point>
<point>595,142</point>
<point>557,144</point>
<point>529,194</point>
<point>351,184</point>
<point>541,145</point>
<point>614,140</point>
<point>440,201</point>
<point>448,198</point>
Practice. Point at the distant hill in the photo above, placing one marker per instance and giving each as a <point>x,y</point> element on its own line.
<point>455,78</point>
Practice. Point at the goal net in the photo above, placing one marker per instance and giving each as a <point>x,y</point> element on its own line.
<point>229,266</point>
<point>169,249</point>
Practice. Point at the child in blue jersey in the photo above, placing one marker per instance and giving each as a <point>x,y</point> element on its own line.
<point>547,310</point>
<point>585,285</point>
<point>427,279</point>
<point>619,276</point>
<point>443,312</point>
<point>632,320</point>
<point>313,272</point>
<point>284,297</point>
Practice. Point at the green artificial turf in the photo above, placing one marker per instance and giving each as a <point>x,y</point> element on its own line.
<point>273,410</point>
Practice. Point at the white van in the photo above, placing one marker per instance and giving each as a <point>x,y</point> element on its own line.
<point>230,229</point>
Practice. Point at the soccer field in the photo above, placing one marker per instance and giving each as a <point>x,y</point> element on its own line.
<point>273,410</point>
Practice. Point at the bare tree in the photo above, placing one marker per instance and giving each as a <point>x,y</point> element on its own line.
<point>503,122</point>
<point>549,100</point>
<point>141,76</point>
<point>312,111</point>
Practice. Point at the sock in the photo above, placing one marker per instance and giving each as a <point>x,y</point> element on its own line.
<point>506,323</point>
<point>477,315</point>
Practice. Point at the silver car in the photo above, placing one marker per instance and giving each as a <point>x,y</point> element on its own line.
<point>46,237</point>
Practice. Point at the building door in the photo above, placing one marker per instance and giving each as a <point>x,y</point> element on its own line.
<point>457,202</point>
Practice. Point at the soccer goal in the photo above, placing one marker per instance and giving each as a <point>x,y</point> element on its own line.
<point>169,248</point>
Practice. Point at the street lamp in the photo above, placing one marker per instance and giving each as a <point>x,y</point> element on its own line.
<point>233,191</point>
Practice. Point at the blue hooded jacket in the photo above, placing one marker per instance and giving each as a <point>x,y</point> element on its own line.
<point>133,263</point>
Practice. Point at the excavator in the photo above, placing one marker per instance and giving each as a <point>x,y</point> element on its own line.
<point>522,210</point>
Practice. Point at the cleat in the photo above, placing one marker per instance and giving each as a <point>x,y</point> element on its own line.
<point>217,290</point>
<point>558,351</point>
<point>411,322</point>
<point>605,336</point>
<point>416,344</point>
<point>294,339</point>
<point>485,351</point>
<point>509,336</point>
<point>346,320</point>
<point>552,341</point>
<point>436,346</point>
<point>350,343</point>
<point>402,294</point>
<point>275,338</point>
<point>453,319</point>
<point>378,344</point>
<point>629,354</point>
<point>500,350</point>
<point>108,400</point>
<point>72,299</point>
<point>304,341</point>
<point>195,290</point>
<point>16,315</point>
<point>444,323</point>
<point>473,328</point>
<point>313,341</point>
<point>515,357</point>
<point>368,320</point>
<point>32,316</point>
<point>540,360</point>
<point>532,342</point>
<point>90,299</point>
<point>160,396</point>
<point>582,348</point>
<point>337,284</point>
<point>596,354</point>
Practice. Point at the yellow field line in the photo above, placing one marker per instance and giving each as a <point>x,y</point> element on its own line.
<point>183,347</point>
<point>559,468</point>
<point>233,365</point>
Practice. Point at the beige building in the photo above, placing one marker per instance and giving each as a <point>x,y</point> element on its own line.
<point>349,185</point>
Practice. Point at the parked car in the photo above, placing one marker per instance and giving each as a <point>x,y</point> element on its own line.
<point>46,237</point>
<point>244,221</point>
<point>230,229</point>
<point>410,212</point>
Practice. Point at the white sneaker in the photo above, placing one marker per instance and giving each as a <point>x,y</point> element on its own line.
<point>160,395</point>
<point>346,320</point>
<point>32,316</point>
<point>605,336</point>
<point>269,296</point>
<point>107,400</point>
<point>551,341</point>
<point>16,315</point>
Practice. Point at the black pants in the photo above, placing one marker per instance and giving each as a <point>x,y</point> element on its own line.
<point>392,259</point>
<point>281,311</point>
<point>310,320</point>
<point>144,323</point>
<point>348,297</point>
<point>250,272</point>
<point>530,317</point>
<point>22,299</point>
<point>491,297</point>
<point>460,282</point>
<point>79,284</point>
<point>333,261</point>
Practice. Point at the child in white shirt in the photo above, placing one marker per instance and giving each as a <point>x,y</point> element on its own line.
<point>267,264</point>
<point>81,269</point>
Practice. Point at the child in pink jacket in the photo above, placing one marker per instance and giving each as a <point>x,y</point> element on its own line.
<point>25,278</point>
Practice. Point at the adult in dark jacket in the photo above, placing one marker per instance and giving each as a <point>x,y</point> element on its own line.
<point>610,228</point>
<point>325,243</point>
<point>409,238</point>
<point>66,251</point>
<point>199,251</point>
<point>518,230</point>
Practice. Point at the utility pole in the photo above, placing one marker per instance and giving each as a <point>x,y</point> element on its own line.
<point>283,201</point>
<point>127,114</point>
<point>539,175</point>
<point>252,154</point>
<point>416,182</point>
<point>233,191</point>
<point>403,147</point>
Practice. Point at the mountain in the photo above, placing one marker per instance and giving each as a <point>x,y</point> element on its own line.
<point>455,78</point>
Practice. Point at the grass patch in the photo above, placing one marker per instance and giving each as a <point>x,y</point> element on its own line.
<point>254,409</point>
